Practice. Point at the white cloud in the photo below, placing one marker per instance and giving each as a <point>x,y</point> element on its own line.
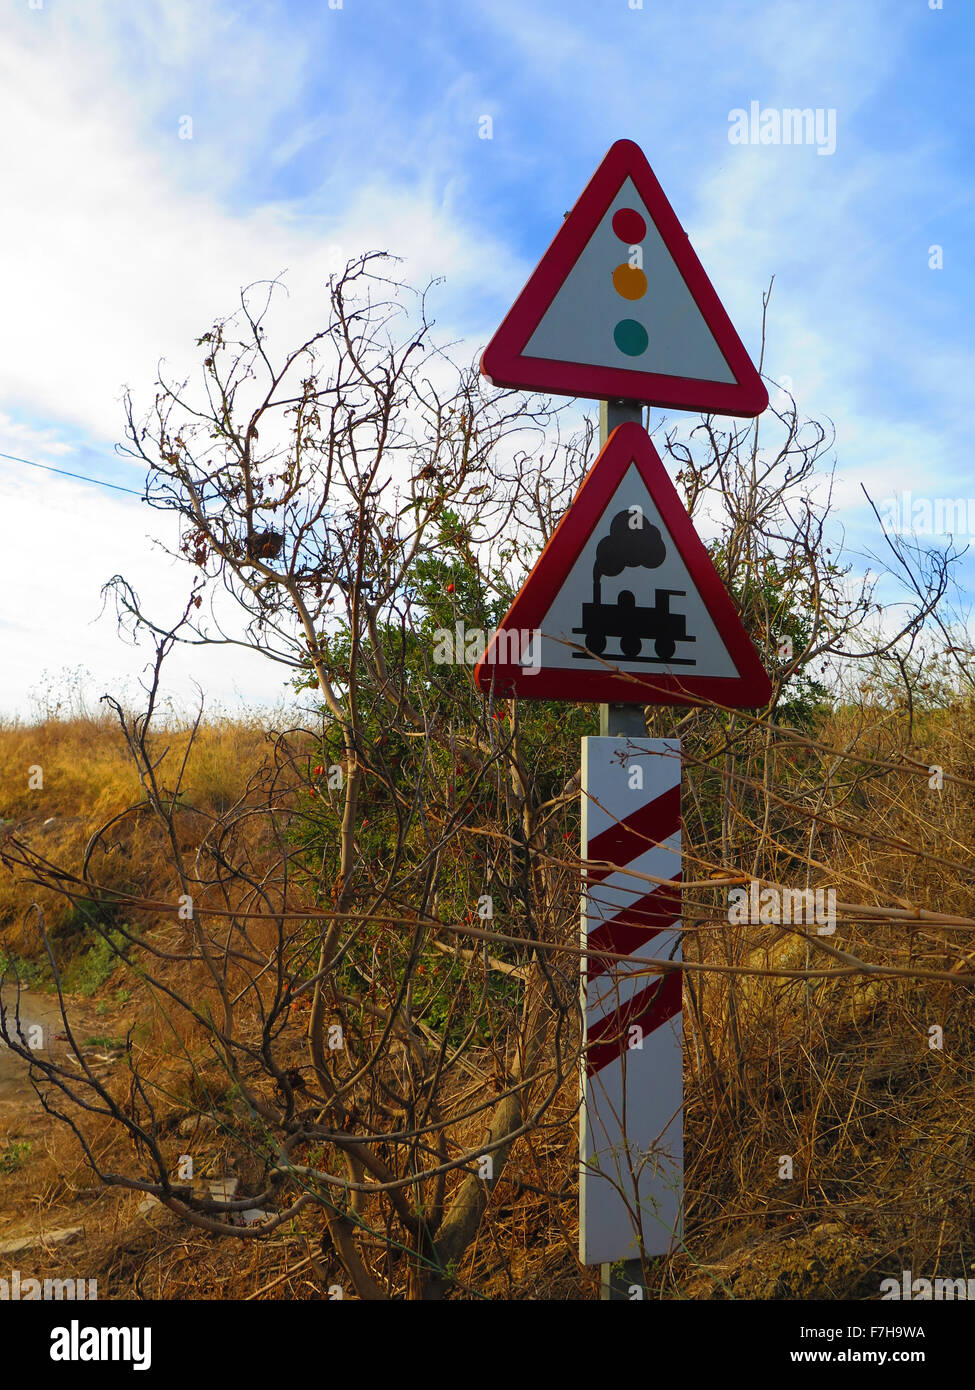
<point>61,544</point>
<point>17,436</point>
<point>124,244</point>
<point>123,256</point>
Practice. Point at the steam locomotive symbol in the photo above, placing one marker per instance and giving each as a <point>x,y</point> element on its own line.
<point>630,546</point>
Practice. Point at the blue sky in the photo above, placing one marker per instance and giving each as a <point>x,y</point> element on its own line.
<point>318,132</point>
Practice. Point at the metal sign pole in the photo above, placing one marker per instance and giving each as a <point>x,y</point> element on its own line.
<point>628,719</point>
<point>618,718</point>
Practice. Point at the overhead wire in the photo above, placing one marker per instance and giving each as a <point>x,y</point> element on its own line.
<point>82,477</point>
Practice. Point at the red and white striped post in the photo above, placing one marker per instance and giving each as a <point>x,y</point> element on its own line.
<point>631,1124</point>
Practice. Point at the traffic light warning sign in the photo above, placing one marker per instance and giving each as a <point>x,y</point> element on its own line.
<point>620,307</point>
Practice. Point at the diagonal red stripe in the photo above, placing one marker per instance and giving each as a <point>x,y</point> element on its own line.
<point>625,840</point>
<point>633,926</point>
<point>650,1009</point>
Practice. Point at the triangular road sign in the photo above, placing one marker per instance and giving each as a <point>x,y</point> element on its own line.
<point>620,307</point>
<point>624,603</point>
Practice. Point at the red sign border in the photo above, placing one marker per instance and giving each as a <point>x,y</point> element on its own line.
<point>750,689</point>
<point>503,363</point>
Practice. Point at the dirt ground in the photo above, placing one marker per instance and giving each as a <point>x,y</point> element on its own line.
<point>25,1127</point>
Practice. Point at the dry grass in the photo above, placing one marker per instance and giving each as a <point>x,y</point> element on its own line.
<point>88,777</point>
<point>837,1075</point>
